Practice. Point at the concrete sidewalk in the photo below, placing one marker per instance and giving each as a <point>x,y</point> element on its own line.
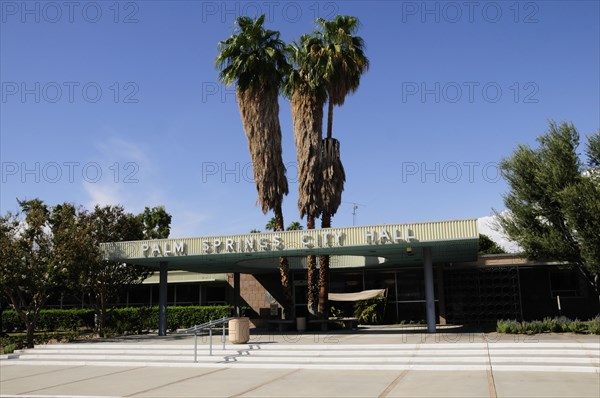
<point>144,381</point>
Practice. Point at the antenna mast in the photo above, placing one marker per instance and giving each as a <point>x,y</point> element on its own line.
<point>354,211</point>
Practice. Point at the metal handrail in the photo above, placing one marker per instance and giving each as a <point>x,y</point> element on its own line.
<point>204,326</point>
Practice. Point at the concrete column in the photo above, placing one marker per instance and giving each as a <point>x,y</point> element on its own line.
<point>236,293</point>
<point>441,296</point>
<point>162,300</point>
<point>429,296</point>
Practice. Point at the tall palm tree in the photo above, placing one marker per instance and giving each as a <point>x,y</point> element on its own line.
<point>346,63</point>
<point>306,90</point>
<point>254,59</point>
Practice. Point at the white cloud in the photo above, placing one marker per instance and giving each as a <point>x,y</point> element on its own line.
<point>488,226</point>
<point>120,150</point>
<point>187,223</point>
<point>126,177</point>
<point>103,195</point>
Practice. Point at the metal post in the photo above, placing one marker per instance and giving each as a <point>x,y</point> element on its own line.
<point>195,347</point>
<point>236,293</point>
<point>429,295</point>
<point>396,296</point>
<point>162,300</point>
<point>223,333</point>
<point>210,341</point>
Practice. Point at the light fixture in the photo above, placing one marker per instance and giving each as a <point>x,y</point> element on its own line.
<point>409,250</point>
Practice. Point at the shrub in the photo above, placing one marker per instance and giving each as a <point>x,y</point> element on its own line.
<point>11,321</point>
<point>136,320</point>
<point>335,312</point>
<point>508,326</point>
<point>594,325</point>
<point>369,312</point>
<point>577,326</point>
<point>51,320</point>
<point>130,320</point>
<point>554,325</point>
<point>8,349</point>
<point>72,319</point>
<point>536,327</point>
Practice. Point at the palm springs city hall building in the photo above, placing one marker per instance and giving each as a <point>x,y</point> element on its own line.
<point>431,272</point>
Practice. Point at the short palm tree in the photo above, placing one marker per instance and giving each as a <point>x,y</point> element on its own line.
<point>306,90</point>
<point>272,224</point>
<point>294,226</point>
<point>254,59</point>
<point>346,63</point>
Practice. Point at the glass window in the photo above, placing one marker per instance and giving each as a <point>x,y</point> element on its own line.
<point>411,285</point>
<point>345,282</point>
<point>188,293</point>
<point>565,283</point>
<point>381,280</point>
<point>216,295</point>
<point>139,295</point>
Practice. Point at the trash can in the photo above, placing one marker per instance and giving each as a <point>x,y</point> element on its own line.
<point>301,324</point>
<point>239,330</point>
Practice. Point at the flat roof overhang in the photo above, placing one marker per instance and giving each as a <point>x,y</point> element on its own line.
<point>375,246</point>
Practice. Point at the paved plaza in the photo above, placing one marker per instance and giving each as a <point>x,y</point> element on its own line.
<point>370,362</point>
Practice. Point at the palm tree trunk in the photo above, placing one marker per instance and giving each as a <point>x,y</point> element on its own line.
<point>329,118</point>
<point>284,269</point>
<point>324,274</point>
<point>311,277</point>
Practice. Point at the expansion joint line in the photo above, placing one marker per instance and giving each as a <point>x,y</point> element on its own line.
<point>490,373</point>
<point>265,383</point>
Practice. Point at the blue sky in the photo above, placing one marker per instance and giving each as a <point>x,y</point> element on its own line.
<point>118,103</point>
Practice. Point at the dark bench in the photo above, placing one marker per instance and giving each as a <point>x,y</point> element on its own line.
<point>280,323</point>
<point>323,323</point>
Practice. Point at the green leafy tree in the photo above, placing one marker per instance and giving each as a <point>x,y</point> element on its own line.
<point>157,223</point>
<point>554,200</point>
<point>103,279</point>
<point>254,59</point>
<point>488,246</point>
<point>593,151</point>
<point>593,154</point>
<point>255,231</point>
<point>37,246</point>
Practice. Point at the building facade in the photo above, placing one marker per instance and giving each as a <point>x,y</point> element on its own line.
<point>431,272</point>
<point>480,292</point>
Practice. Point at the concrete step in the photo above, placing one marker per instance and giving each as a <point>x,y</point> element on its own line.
<point>313,359</point>
<point>560,356</point>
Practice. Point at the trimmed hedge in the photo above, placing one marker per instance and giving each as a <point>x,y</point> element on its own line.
<point>549,325</point>
<point>129,320</point>
<point>51,320</point>
<point>136,320</point>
